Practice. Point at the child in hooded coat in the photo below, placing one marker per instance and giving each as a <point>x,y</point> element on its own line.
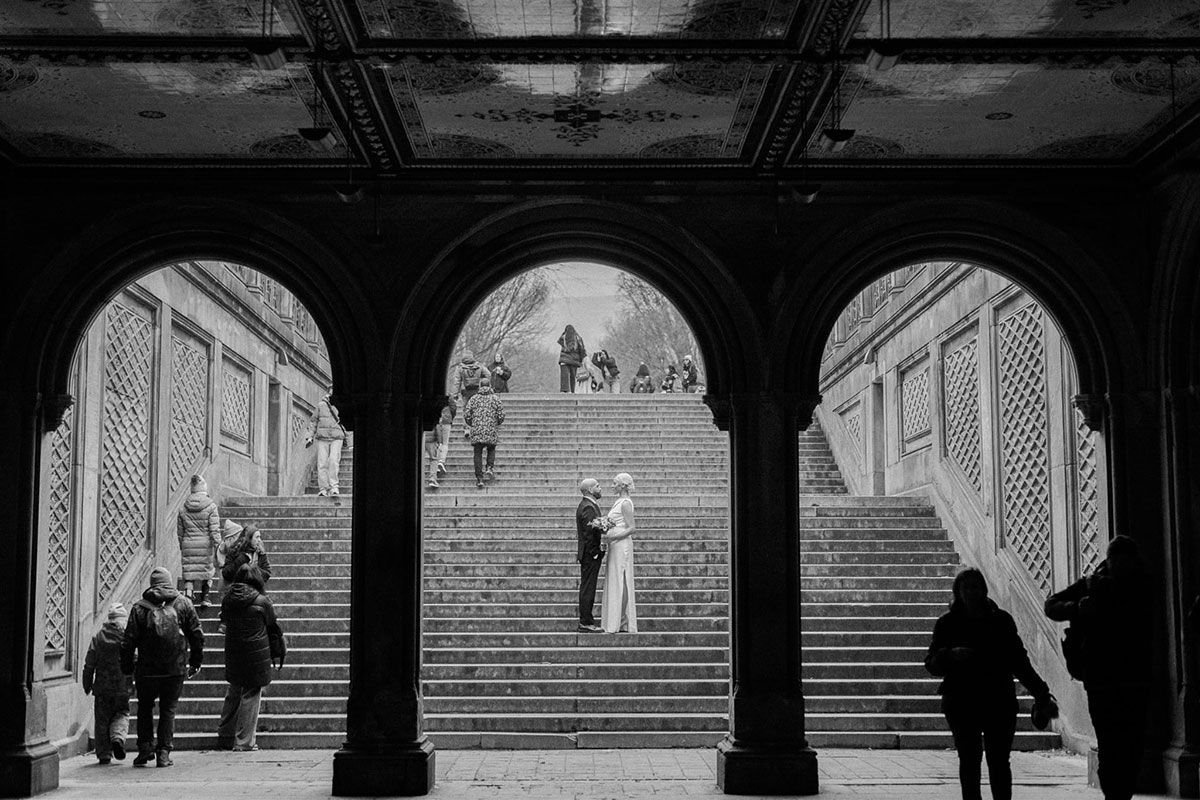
<point>102,677</point>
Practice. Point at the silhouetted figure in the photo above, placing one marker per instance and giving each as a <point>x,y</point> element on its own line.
<point>570,358</point>
<point>1111,610</point>
<point>977,652</point>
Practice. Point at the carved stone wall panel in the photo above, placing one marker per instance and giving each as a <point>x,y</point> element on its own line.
<point>236,405</point>
<point>914,404</point>
<point>1089,502</point>
<point>1024,441</point>
<point>960,382</point>
<point>852,420</point>
<point>125,440</point>
<point>189,407</point>
<point>61,523</point>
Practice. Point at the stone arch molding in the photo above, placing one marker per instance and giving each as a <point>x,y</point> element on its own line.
<point>534,234</point>
<point>1067,279</point>
<point>80,279</point>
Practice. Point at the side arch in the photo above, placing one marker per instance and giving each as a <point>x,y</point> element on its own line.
<point>1046,261</point>
<point>534,234</point>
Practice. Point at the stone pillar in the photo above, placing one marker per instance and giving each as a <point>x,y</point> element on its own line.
<point>28,761</point>
<point>386,751</point>
<point>765,752</point>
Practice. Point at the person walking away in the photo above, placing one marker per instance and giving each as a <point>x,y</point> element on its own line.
<point>1111,610</point>
<point>198,528</point>
<point>668,381</point>
<point>164,640</point>
<point>326,429</point>
<point>618,613</point>
<point>254,645</point>
<point>103,678</point>
<point>467,377</point>
<point>499,373</point>
<point>484,415</point>
<point>977,652</point>
<point>570,358</point>
<point>248,548</point>
<point>690,375</point>
<point>588,553</point>
<point>608,371</point>
<point>437,443</point>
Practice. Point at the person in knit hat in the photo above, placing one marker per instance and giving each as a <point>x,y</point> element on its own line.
<point>164,640</point>
<point>198,527</point>
<point>102,678</point>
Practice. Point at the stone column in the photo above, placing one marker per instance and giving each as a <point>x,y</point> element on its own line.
<point>386,751</point>
<point>766,751</point>
<point>28,761</point>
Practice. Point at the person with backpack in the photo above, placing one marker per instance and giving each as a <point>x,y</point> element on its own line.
<point>468,376</point>
<point>198,527</point>
<point>102,677</point>
<point>570,358</point>
<point>254,644</point>
<point>163,645</point>
<point>327,430</point>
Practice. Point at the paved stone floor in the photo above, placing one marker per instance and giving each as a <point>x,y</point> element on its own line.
<point>560,774</point>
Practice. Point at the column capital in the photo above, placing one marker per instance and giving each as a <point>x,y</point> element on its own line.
<point>430,408</point>
<point>1093,408</point>
<point>54,408</point>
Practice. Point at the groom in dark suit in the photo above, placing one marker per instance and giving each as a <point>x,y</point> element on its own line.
<point>589,553</point>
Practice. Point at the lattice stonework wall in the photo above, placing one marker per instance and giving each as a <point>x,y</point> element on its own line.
<point>960,382</point>
<point>1091,543</point>
<point>189,406</point>
<point>61,527</point>
<point>914,404</point>
<point>1024,441</point>
<point>852,419</point>
<point>125,441</point>
<point>236,401</point>
<point>299,424</point>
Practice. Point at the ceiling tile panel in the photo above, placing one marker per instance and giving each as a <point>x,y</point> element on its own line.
<point>1024,111</point>
<point>485,19</point>
<point>156,111</point>
<point>917,19</point>
<point>573,111</point>
<point>147,17</point>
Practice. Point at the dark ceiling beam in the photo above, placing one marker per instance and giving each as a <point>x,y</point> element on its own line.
<point>1073,51</point>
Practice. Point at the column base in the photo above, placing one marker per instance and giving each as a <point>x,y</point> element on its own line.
<point>384,771</point>
<point>743,769</point>
<point>1181,771</point>
<point>28,771</point>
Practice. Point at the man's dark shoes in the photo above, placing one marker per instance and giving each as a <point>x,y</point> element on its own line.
<point>143,757</point>
<point>118,749</point>
<point>164,759</point>
<point>593,628</point>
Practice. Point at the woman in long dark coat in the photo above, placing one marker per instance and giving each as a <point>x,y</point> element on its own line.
<point>254,645</point>
<point>977,652</point>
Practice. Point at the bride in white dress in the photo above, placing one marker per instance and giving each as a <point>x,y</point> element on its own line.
<point>619,611</point>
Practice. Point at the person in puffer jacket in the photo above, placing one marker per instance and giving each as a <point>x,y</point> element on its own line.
<point>198,527</point>
<point>254,644</point>
<point>484,416</point>
<point>102,677</point>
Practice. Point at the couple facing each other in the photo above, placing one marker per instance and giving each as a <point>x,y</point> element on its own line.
<point>606,534</point>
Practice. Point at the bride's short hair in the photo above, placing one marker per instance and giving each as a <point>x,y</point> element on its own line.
<point>624,481</point>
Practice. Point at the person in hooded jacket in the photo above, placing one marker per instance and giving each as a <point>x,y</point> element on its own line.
<point>327,431</point>
<point>1112,610</point>
<point>691,375</point>
<point>247,548</point>
<point>467,377</point>
<point>977,652</point>
<point>570,358</point>
<point>499,372</point>
<point>102,677</point>
<point>163,659</point>
<point>484,416</point>
<point>254,646</point>
<point>198,527</point>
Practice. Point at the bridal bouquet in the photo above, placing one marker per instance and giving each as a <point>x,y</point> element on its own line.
<point>602,524</point>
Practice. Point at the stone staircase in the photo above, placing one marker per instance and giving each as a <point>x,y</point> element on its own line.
<point>503,664</point>
<point>876,573</point>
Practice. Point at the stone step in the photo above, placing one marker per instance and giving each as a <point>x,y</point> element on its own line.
<point>566,623</point>
<point>592,645</point>
<point>946,558</point>
<point>669,566</point>
<point>842,608</point>
<point>893,723</point>
<point>533,597</point>
<point>551,722</point>
<point>905,571</point>
<point>568,610</point>
<point>475,674</point>
<point>682,561</point>
<point>819,596</point>
<point>905,740</point>
<point>467,655</point>
<point>574,705</point>
<point>626,687</point>
<point>456,543</point>
<point>832,622</point>
<point>534,587</point>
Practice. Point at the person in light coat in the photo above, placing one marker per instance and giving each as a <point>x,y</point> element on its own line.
<point>198,528</point>
<point>327,431</point>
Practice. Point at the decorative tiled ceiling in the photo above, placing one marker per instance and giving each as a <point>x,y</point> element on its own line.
<point>741,86</point>
<point>1015,18</point>
<point>577,111</point>
<point>477,19</point>
<point>1032,111</point>
<point>163,110</point>
<point>157,17</point>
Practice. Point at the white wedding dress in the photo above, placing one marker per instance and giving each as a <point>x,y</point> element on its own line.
<point>619,611</point>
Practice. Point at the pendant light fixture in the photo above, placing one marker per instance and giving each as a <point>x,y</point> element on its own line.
<point>320,136</point>
<point>266,52</point>
<point>835,137</point>
<point>884,53</point>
